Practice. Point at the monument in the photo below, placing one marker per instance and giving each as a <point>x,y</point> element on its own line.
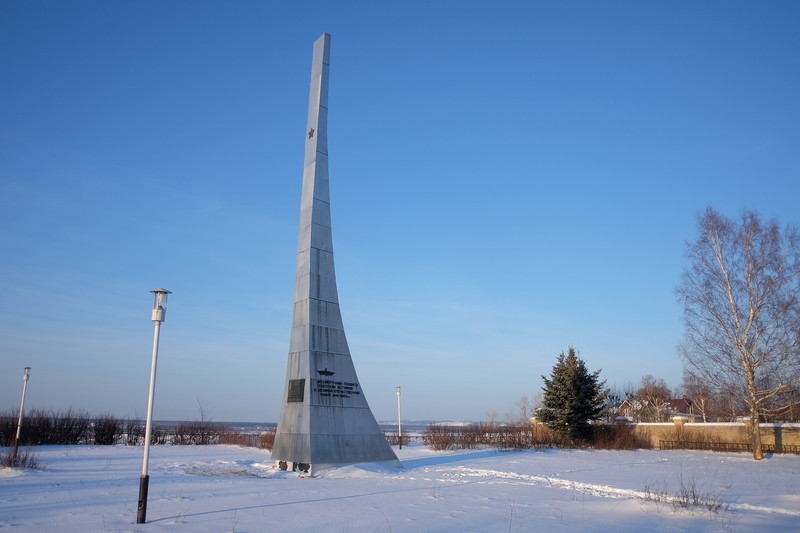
<point>325,419</point>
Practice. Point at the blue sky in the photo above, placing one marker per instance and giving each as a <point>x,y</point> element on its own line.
<point>507,179</point>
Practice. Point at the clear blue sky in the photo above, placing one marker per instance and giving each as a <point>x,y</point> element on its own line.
<point>507,179</point>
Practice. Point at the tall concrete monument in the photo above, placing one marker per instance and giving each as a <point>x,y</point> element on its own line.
<point>325,419</point>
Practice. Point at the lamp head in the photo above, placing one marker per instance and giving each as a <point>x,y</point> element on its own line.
<point>160,304</point>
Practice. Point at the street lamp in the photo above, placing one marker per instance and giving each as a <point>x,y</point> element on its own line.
<point>158,316</point>
<point>399,426</point>
<point>26,374</point>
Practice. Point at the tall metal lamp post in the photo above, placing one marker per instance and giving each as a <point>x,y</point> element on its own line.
<point>26,374</point>
<point>399,426</point>
<point>159,314</point>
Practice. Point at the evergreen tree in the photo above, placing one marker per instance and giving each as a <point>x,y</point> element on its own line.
<point>573,397</point>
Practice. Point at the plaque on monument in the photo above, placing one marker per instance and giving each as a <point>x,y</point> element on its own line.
<point>297,388</point>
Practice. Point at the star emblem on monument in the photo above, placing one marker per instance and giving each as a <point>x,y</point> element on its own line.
<point>310,133</point>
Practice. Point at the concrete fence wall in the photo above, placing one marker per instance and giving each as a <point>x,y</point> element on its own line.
<point>776,435</point>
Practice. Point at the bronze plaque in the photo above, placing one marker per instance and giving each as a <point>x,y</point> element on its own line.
<point>297,389</point>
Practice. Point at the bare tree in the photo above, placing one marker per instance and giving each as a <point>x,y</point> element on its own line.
<point>711,403</point>
<point>740,296</point>
<point>526,408</point>
<point>629,406</point>
<point>524,411</point>
<point>699,394</point>
<point>614,400</point>
<point>654,395</point>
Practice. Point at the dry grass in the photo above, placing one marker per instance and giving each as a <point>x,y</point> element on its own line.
<point>19,459</point>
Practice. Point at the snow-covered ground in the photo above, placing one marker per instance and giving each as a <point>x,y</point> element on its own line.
<point>229,488</point>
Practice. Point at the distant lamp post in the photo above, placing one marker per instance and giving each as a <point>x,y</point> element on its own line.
<point>399,425</point>
<point>26,374</point>
<point>159,314</point>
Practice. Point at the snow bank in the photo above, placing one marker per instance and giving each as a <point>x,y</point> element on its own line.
<point>229,488</point>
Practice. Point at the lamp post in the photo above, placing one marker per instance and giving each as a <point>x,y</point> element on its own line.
<point>26,374</point>
<point>399,425</point>
<point>158,316</point>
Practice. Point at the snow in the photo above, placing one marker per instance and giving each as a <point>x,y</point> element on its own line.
<point>231,488</point>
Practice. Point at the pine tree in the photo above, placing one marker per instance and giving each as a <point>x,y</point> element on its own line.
<point>573,397</point>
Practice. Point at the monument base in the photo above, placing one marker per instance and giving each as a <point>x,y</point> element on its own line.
<point>313,469</point>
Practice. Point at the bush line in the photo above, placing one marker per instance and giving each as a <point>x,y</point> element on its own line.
<point>524,436</point>
<point>41,427</point>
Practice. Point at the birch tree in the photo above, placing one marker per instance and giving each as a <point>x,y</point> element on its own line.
<point>740,294</point>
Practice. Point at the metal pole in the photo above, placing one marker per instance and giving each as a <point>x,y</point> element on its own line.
<point>399,425</point>
<point>144,481</point>
<point>25,377</point>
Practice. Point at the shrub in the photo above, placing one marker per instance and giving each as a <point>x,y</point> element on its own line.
<point>477,434</point>
<point>133,432</point>
<point>440,437</point>
<point>37,428</point>
<point>266,439</point>
<point>263,440</point>
<point>619,438</point>
<point>8,428</point>
<point>69,427</point>
<point>107,429</point>
<point>394,439</point>
<point>544,437</point>
<point>514,437</point>
<point>228,436</point>
<point>19,459</point>
<point>688,497</point>
<point>202,432</point>
<point>158,435</point>
<point>46,427</point>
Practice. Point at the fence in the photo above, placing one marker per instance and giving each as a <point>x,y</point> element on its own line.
<point>734,437</point>
<point>725,446</point>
